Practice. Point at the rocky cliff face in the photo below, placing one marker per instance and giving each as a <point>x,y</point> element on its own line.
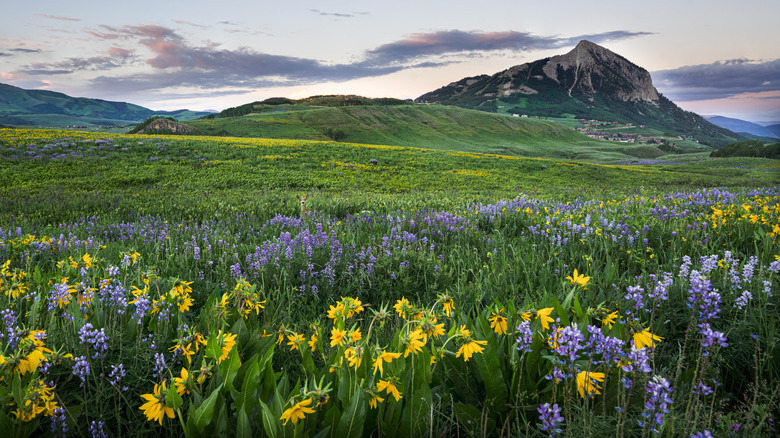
<point>590,69</point>
<point>584,72</point>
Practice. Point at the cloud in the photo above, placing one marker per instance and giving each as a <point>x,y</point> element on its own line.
<point>117,57</point>
<point>23,50</point>
<point>336,14</point>
<point>420,45</point>
<point>173,61</point>
<point>718,80</point>
<point>59,17</point>
<point>188,23</point>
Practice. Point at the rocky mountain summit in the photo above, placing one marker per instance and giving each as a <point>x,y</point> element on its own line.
<point>585,71</point>
<point>588,82</point>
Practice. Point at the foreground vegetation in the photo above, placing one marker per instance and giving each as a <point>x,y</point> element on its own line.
<point>173,296</point>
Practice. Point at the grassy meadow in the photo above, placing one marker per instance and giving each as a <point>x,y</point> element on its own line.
<point>172,286</point>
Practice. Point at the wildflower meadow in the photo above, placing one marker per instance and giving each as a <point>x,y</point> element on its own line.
<point>642,305</point>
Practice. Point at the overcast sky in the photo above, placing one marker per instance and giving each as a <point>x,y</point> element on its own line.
<point>711,57</point>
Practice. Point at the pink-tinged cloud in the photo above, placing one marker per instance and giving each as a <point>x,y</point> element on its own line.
<point>59,17</point>
<point>718,80</point>
<point>444,42</point>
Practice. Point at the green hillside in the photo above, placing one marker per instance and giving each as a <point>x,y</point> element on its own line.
<point>425,126</point>
<point>49,108</point>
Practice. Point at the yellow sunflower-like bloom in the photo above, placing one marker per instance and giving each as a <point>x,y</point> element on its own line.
<point>313,342</point>
<point>415,342</point>
<point>155,408</point>
<point>401,307</point>
<point>337,336</point>
<point>228,341</point>
<point>609,319</point>
<point>469,348</point>
<point>498,324</point>
<point>544,316</point>
<point>297,412</point>
<point>389,388</point>
<point>645,339</point>
<point>294,341</point>
<point>586,384</point>
<point>181,382</point>
<point>386,357</point>
<point>374,400</point>
<point>578,279</point>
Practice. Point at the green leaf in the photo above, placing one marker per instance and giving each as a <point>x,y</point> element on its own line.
<point>271,423</point>
<point>205,412</point>
<point>229,368</point>
<point>173,400</point>
<point>243,427</point>
<point>351,422</point>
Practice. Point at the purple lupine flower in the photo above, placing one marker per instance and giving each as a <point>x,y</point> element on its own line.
<point>566,342</point>
<point>551,419</point>
<point>658,403</point>
<point>635,294</point>
<point>117,372</point>
<point>710,337</point>
<point>95,338</point>
<point>702,434</point>
<point>637,360</point>
<point>59,293</point>
<point>96,429</point>
<point>81,368</point>
<point>525,338</point>
<point>159,364</point>
<point>743,300</point>
<point>702,389</point>
<point>58,425</point>
<point>709,307</point>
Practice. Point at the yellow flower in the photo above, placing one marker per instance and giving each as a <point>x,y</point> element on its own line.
<point>354,356</point>
<point>401,306</point>
<point>576,278</point>
<point>355,335</point>
<point>498,324</point>
<point>297,412</point>
<point>335,312</point>
<point>87,261</point>
<point>374,400</point>
<point>155,408</point>
<point>586,384</point>
<point>527,315</point>
<point>227,344</point>
<point>389,388</point>
<point>645,338</point>
<point>470,347</point>
<point>181,382</point>
<point>385,356</point>
<point>609,319</point>
<point>337,336</point>
<point>415,342</point>
<point>294,341</point>
<point>544,314</point>
<point>313,342</point>
<point>448,307</point>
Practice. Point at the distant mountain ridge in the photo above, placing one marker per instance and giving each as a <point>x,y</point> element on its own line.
<point>588,82</point>
<point>738,125</point>
<point>31,107</point>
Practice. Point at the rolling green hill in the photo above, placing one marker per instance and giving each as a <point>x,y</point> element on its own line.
<point>408,124</point>
<point>49,108</point>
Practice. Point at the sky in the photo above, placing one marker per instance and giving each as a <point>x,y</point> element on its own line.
<point>712,57</point>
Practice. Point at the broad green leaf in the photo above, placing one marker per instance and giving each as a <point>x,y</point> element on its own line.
<point>205,412</point>
<point>351,422</point>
